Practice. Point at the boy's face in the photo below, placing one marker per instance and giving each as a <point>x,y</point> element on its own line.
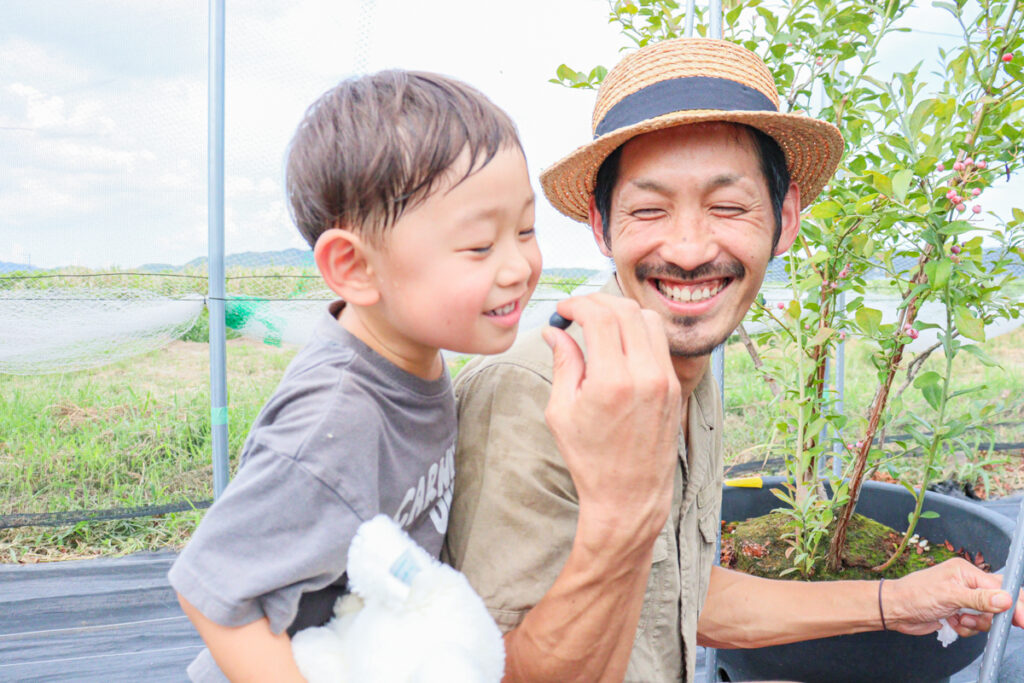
<point>456,271</point>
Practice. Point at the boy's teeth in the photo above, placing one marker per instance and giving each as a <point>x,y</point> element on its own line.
<point>504,310</point>
<point>685,294</point>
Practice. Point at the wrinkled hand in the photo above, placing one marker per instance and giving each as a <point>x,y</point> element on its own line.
<point>915,603</point>
<point>616,415</point>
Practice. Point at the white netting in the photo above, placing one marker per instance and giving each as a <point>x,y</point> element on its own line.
<point>62,329</point>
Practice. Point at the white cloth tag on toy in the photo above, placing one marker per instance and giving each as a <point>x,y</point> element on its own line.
<point>946,633</point>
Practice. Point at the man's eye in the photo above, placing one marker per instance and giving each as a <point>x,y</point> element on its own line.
<point>529,232</point>
<point>728,209</point>
<point>646,212</point>
<point>481,249</point>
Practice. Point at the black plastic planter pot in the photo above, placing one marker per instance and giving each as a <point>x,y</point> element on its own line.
<point>877,656</point>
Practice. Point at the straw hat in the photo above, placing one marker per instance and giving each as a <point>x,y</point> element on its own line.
<point>691,80</point>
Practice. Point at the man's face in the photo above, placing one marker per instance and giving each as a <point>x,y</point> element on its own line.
<point>691,229</point>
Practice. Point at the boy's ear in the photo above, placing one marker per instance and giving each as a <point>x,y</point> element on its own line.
<point>341,257</point>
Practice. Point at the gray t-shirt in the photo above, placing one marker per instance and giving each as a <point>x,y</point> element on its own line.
<point>346,435</point>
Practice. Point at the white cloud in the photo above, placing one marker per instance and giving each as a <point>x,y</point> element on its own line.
<point>103,109</point>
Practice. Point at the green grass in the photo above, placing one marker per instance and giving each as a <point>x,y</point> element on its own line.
<point>130,434</point>
<point>137,433</point>
<point>749,401</point>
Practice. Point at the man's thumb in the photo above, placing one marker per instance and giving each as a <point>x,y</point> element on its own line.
<point>997,601</point>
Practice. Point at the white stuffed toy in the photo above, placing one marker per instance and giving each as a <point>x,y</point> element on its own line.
<point>408,619</point>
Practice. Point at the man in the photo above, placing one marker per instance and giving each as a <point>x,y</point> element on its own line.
<point>592,537</point>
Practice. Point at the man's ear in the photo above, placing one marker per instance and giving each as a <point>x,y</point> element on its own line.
<point>341,257</point>
<point>790,220</point>
<point>597,227</point>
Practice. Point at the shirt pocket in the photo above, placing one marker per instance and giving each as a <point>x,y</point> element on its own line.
<point>654,594</point>
<point>709,523</point>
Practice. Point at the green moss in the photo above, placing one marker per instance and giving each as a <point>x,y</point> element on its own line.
<point>754,547</point>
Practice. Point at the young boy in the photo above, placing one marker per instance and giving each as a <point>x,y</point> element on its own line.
<point>413,191</point>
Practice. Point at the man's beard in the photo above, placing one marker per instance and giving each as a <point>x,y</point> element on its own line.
<point>731,269</point>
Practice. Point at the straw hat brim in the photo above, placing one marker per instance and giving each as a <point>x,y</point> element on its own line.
<point>812,148</point>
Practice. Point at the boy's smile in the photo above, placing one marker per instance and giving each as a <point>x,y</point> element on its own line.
<point>457,270</point>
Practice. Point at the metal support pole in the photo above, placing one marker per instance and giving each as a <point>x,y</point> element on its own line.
<point>1000,631</point>
<point>215,220</point>
<point>837,463</point>
<point>690,11</point>
<point>718,370</point>
<point>715,19</point>
<point>718,355</point>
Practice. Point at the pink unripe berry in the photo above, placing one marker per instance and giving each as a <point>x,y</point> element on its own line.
<point>913,333</point>
<point>858,445</point>
<point>958,166</point>
<point>819,61</point>
<point>970,161</point>
<point>940,167</point>
<point>955,249</point>
<point>842,336</point>
<point>975,192</point>
<point>981,164</point>
<point>950,194</point>
<point>976,208</point>
<point>780,305</point>
<point>1008,57</point>
<point>961,207</point>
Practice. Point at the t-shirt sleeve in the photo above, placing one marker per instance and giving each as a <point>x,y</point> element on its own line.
<point>276,532</point>
<point>515,508</point>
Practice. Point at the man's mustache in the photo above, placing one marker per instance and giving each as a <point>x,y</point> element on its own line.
<point>668,271</point>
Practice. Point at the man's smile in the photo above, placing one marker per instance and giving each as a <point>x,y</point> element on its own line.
<point>690,292</point>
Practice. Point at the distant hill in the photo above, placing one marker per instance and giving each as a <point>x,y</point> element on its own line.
<point>6,267</point>
<point>250,259</point>
<point>777,268</point>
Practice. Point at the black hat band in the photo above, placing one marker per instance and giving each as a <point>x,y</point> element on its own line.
<point>682,94</point>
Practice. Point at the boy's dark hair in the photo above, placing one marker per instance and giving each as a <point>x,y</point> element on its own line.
<point>773,166</point>
<point>374,146</point>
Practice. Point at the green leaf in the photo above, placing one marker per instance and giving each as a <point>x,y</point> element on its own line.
<point>969,326</point>
<point>930,385</point>
<point>564,73</point>
<point>940,275</point>
<point>929,514</point>
<point>827,209</point>
<point>901,183</point>
<point>869,319</point>
<point>822,334</point>
<point>981,355</point>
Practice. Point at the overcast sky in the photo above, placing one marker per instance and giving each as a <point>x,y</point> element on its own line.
<point>103,109</point>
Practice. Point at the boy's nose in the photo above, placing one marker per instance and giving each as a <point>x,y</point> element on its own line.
<point>516,266</point>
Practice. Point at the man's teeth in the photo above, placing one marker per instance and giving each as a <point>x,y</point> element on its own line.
<point>686,294</point>
<point>504,310</point>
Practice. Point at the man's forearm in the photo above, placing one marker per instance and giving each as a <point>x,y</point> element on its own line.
<point>583,628</point>
<point>743,611</point>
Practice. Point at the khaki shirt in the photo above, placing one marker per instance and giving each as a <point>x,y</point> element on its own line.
<point>514,512</point>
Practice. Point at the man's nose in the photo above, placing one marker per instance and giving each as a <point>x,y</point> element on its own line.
<point>690,241</point>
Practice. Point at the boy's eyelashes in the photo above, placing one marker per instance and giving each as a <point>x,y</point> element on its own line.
<point>525,234</point>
